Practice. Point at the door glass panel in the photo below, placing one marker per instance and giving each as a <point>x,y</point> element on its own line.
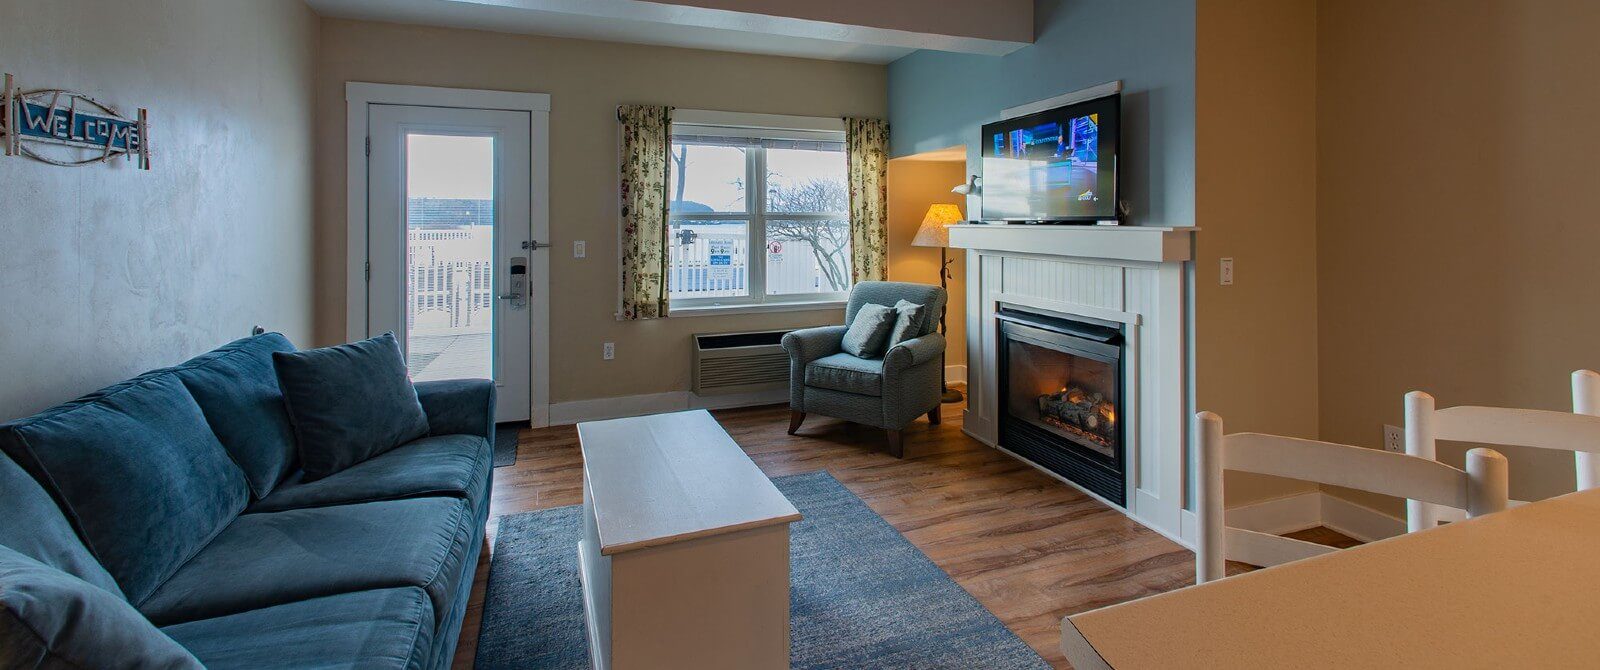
<point>450,271</point>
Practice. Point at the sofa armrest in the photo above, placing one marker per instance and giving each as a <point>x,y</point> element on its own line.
<point>913,352</point>
<point>458,406</point>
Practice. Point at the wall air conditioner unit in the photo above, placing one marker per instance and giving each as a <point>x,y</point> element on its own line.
<point>739,362</point>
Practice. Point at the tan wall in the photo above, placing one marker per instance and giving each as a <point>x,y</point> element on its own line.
<point>107,271</point>
<point>1255,202</point>
<point>586,81</point>
<point>1457,213</point>
<point>913,186</point>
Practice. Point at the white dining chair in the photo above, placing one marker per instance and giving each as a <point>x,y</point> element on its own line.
<point>1577,431</point>
<point>1480,490</point>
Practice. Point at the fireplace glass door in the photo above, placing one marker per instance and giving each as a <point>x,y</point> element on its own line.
<point>1067,394</point>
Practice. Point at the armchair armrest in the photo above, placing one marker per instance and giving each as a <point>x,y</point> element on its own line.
<point>913,352</point>
<point>810,344</point>
<point>458,406</point>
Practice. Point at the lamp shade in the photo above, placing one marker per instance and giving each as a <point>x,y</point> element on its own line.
<point>934,231</point>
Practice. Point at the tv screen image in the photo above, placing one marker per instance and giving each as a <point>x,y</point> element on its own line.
<point>1058,165</point>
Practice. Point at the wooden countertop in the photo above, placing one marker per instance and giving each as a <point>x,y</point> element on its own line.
<point>1513,589</point>
<point>666,478</point>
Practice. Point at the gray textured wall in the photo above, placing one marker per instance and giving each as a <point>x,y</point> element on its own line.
<point>939,100</point>
<point>106,271</point>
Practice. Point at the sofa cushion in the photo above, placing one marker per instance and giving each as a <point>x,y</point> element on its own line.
<point>449,465</point>
<point>269,559</point>
<point>138,473</point>
<point>868,334</point>
<point>384,628</point>
<point>50,619</point>
<point>31,524</point>
<point>348,403</point>
<point>843,372</point>
<point>237,390</point>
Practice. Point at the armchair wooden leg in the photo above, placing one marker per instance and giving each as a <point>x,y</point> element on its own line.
<point>897,446</point>
<point>795,417</point>
<point>933,415</point>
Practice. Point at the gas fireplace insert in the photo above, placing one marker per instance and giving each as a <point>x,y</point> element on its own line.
<point>1061,397</point>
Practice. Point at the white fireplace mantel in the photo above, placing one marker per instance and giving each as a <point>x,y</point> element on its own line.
<point>1134,275</point>
<point>1150,244</point>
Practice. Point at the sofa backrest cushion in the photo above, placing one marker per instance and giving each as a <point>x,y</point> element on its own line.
<point>237,390</point>
<point>137,471</point>
<point>50,619</point>
<point>32,525</point>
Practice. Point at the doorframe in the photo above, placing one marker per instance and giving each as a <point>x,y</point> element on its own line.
<point>358,97</point>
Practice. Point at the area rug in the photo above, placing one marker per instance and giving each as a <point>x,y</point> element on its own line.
<point>861,596</point>
<point>505,442</point>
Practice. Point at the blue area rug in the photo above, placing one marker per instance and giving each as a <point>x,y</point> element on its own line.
<point>861,595</point>
<point>505,442</point>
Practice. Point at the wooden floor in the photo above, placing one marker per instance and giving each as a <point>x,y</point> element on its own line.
<point>1028,547</point>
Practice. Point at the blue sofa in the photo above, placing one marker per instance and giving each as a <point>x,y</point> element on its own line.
<point>178,493</point>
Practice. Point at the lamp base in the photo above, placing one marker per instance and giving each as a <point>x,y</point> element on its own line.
<point>951,395</point>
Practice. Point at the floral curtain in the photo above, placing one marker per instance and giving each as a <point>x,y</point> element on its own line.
<point>645,132</point>
<point>866,146</point>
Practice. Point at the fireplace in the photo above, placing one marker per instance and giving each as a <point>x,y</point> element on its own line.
<point>1061,397</point>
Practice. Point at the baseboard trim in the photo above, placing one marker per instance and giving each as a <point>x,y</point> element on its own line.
<point>955,374</point>
<point>1316,508</point>
<point>1278,516</point>
<point>599,409</point>
<point>1359,521</point>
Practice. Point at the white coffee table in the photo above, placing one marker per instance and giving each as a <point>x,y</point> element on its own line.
<point>685,552</point>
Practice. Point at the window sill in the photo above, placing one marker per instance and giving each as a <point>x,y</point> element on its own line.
<point>724,310</point>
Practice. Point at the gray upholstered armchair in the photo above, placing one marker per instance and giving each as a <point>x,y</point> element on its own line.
<point>888,393</point>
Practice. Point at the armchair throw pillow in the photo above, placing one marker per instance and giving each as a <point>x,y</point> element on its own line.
<point>869,332</point>
<point>908,322</point>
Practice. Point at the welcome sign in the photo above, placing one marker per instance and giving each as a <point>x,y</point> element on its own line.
<point>61,127</point>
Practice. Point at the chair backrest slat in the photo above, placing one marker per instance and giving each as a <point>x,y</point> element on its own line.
<point>1372,470</point>
<point>1537,428</point>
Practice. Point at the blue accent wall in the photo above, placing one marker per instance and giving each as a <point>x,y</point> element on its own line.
<point>939,100</point>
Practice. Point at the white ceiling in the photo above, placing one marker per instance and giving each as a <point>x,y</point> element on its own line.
<point>665,24</point>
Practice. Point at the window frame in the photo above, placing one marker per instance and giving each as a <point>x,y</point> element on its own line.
<point>756,127</point>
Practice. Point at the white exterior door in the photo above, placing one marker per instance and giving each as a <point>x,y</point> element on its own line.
<point>450,252</point>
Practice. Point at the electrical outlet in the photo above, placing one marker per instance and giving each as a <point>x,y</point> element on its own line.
<point>1227,272</point>
<point>1394,439</point>
<point>608,350</point>
<point>580,249</point>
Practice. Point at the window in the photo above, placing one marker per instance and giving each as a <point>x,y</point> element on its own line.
<point>759,216</point>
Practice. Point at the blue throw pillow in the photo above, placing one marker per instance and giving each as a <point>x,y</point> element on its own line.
<point>50,619</point>
<point>868,334</point>
<point>908,321</point>
<point>32,525</point>
<point>348,403</point>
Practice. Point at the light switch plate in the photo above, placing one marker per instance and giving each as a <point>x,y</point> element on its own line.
<point>1227,272</point>
<point>580,249</point>
<point>608,350</point>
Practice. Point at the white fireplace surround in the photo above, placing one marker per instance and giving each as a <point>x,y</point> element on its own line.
<point>1134,275</point>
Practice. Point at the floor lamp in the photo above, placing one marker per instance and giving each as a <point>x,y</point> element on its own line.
<point>935,232</point>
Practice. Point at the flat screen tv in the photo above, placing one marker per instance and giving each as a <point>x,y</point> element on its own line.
<point>1054,166</point>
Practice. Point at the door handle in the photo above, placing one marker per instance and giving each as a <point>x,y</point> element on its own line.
<point>517,286</point>
<point>534,245</point>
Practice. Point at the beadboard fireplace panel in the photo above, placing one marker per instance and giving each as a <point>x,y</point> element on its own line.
<point>1148,296</point>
